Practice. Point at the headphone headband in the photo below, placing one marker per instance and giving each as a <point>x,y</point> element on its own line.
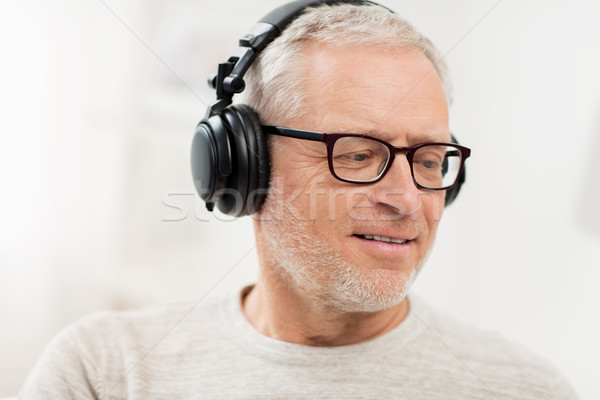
<point>282,16</point>
<point>229,79</point>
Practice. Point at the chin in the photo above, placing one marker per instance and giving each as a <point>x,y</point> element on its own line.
<point>357,291</point>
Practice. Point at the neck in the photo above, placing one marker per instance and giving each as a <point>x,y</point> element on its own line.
<point>281,311</point>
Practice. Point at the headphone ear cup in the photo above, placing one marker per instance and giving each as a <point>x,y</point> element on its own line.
<point>211,159</point>
<point>259,164</point>
<point>230,161</point>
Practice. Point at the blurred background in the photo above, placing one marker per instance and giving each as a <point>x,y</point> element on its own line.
<point>99,99</point>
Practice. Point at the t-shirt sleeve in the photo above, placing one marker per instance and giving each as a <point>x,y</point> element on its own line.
<point>65,369</point>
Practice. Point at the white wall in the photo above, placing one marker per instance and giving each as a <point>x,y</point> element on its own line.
<point>99,100</point>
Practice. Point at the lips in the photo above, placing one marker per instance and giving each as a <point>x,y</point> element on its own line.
<point>385,239</point>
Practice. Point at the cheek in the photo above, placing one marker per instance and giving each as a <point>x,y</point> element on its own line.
<point>339,200</point>
<point>305,193</point>
<point>433,207</point>
<point>329,208</point>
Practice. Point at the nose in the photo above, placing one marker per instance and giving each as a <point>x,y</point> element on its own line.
<point>397,190</point>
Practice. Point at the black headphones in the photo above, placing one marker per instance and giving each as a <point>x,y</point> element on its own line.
<point>230,159</point>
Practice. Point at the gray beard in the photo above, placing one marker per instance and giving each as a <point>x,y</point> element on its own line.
<point>309,265</point>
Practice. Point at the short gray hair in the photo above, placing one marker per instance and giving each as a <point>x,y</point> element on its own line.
<point>276,78</point>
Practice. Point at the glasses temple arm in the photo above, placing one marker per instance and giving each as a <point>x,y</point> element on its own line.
<point>294,133</point>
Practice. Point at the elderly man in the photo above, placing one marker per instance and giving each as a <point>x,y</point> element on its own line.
<point>346,124</point>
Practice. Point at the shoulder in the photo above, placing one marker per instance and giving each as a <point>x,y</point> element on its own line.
<point>126,336</point>
<point>94,354</point>
<point>138,327</point>
<point>488,358</point>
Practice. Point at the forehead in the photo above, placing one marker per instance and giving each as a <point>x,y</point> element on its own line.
<point>392,93</point>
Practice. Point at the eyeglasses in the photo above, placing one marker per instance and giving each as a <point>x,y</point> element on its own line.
<point>356,158</point>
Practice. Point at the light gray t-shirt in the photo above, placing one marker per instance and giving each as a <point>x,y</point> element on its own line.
<point>210,351</point>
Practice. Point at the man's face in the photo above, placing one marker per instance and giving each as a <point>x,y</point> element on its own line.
<point>322,233</point>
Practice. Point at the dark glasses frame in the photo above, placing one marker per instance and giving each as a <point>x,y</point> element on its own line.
<point>330,138</point>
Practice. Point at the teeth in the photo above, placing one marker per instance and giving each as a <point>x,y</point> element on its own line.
<point>384,239</point>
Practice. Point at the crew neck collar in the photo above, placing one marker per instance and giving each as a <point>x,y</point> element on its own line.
<point>252,341</point>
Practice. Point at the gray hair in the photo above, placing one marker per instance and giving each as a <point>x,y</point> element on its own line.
<point>276,78</point>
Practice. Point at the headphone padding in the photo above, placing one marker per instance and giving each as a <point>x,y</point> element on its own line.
<point>260,165</point>
<point>235,195</point>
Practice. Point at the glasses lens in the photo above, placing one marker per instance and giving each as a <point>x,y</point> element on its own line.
<point>359,159</point>
<point>436,166</point>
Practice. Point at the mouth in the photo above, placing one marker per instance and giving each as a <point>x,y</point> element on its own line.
<point>385,239</point>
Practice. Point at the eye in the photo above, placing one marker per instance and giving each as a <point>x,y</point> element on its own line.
<point>428,160</point>
<point>358,157</point>
<point>429,164</point>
